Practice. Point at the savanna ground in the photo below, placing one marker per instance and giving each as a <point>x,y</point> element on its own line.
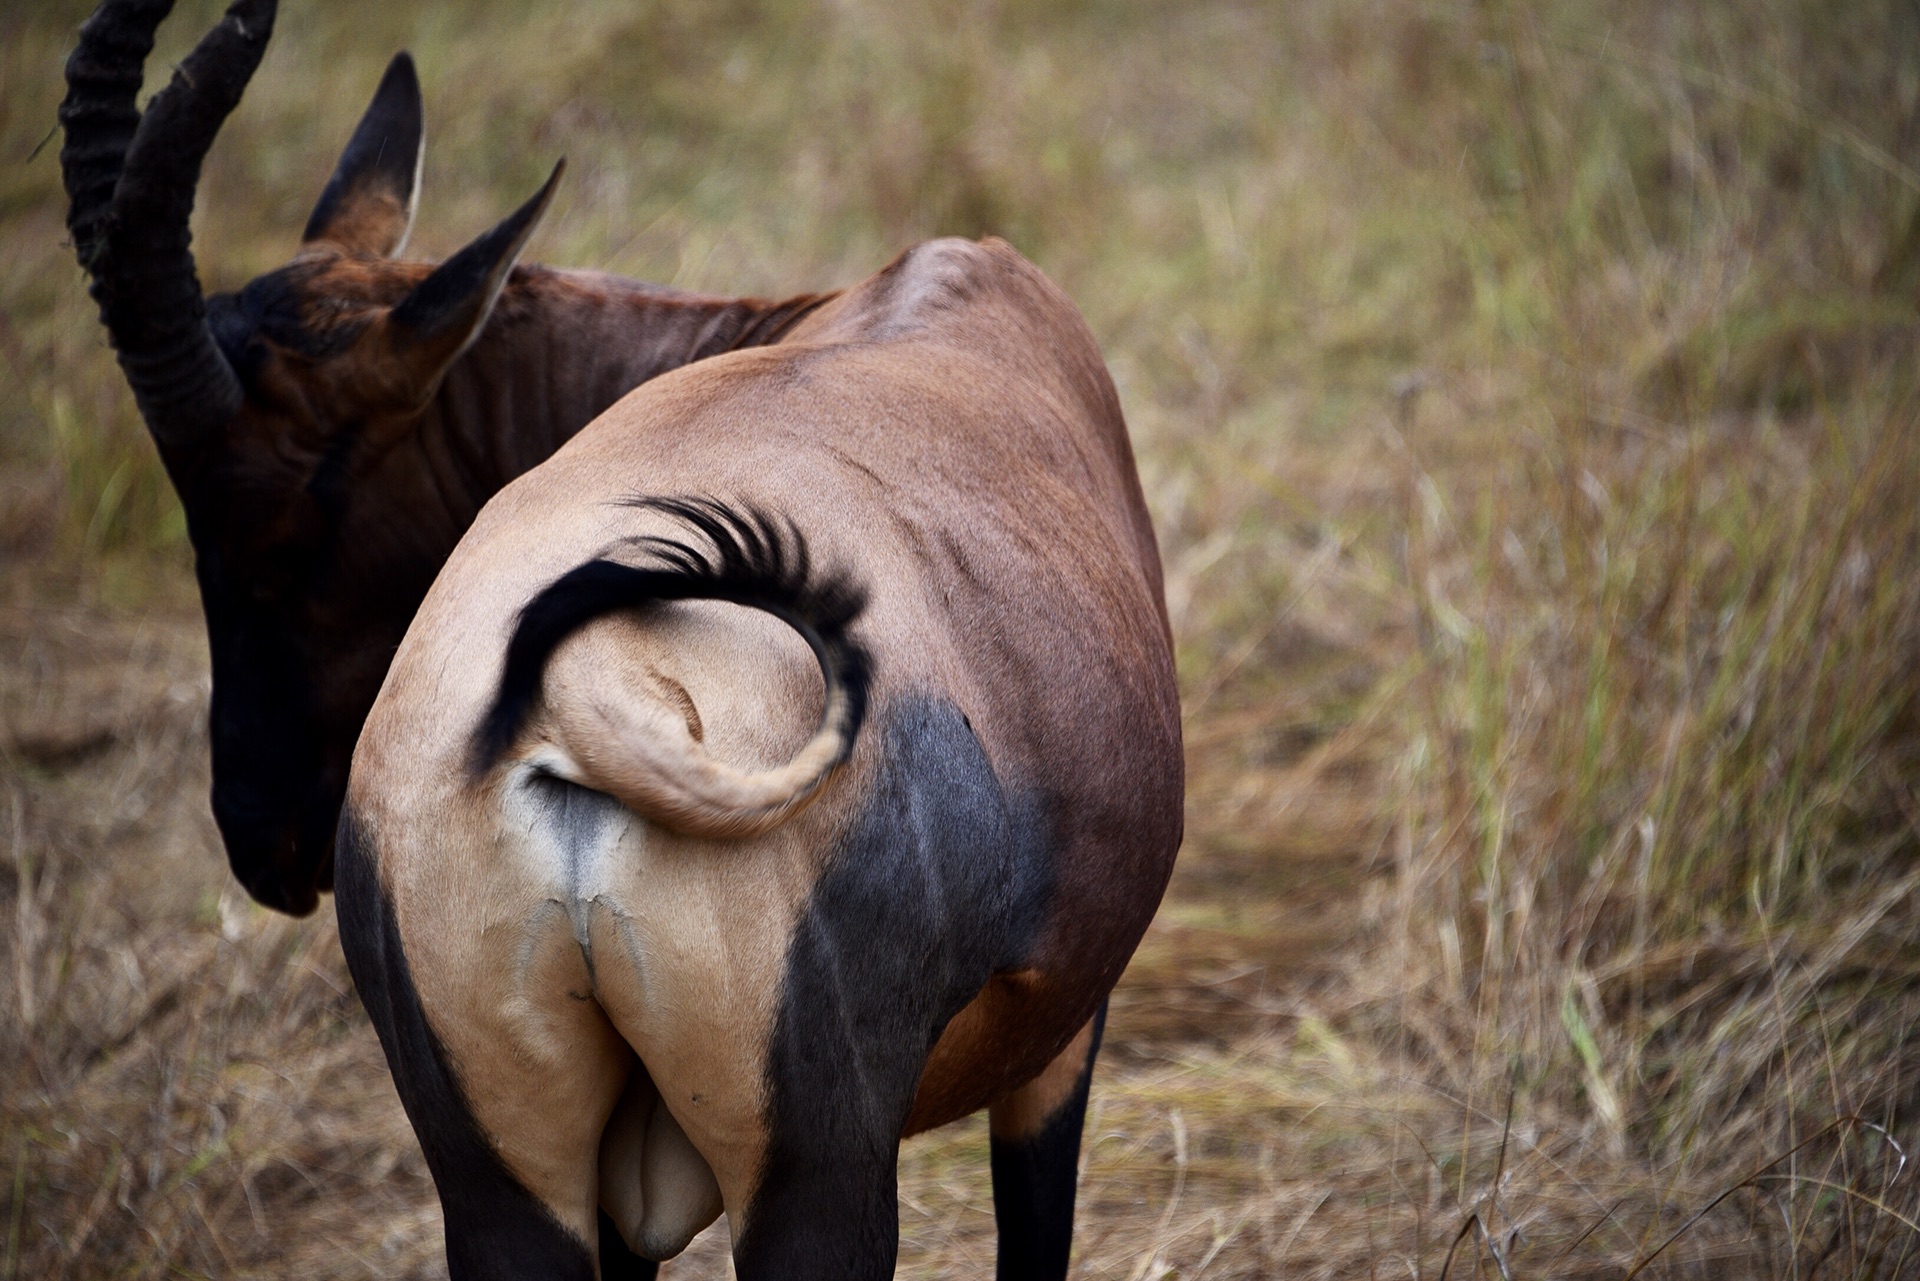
<point>1526,397</point>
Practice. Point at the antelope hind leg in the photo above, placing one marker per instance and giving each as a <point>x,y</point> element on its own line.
<point>506,1176</point>
<point>1036,1160</point>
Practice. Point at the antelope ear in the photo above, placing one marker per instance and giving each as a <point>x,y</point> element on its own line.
<point>433,324</point>
<point>368,204</point>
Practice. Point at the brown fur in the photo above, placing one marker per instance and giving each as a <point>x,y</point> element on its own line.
<point>1021,1113</point>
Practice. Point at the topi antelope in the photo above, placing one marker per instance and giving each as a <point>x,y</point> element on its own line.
<point>788,764</point>
<point>332,427</point>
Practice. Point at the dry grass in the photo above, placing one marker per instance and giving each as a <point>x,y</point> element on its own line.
<point>1525,394</point>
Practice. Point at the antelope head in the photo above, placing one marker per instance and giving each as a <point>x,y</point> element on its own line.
<point>278,410</point>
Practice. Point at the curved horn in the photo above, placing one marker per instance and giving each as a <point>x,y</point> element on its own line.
<point>103,77</point>
<point>135,241</point>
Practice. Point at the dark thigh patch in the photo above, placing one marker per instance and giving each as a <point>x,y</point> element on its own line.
<point>495,1227</point>
<point>943,879</point>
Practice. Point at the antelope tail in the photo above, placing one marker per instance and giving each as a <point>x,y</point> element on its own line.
<point>657,769</point>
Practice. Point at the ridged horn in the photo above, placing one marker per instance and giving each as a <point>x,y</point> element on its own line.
<point>103,78</point>
<point>131,178</point>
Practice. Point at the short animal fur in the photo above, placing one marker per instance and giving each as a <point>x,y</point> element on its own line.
<point>787,765</point>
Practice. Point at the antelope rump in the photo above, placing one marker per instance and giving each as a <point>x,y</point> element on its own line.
<point>781,752</point>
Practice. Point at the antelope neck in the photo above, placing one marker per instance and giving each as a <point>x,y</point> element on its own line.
<point>560,349</point>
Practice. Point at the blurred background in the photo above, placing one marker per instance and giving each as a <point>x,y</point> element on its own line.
<point>1525,394</point>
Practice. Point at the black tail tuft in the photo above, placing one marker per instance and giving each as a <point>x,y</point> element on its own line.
<point>754,561</point>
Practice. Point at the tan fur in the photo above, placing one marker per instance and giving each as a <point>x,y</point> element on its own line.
<point>686,937</point>
<point>371,221</point>
<point>1022,1113</point>
<point>609,727</point>
<point>946,430</point>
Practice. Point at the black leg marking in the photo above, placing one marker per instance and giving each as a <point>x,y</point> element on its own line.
<point>617,1263</point>
<point>1034,1184</point>
<point>832,1214</point>
<point>942,880</point>
<point>495,1227</point>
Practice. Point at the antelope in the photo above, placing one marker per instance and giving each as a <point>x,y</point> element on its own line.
<point>787,764</point>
